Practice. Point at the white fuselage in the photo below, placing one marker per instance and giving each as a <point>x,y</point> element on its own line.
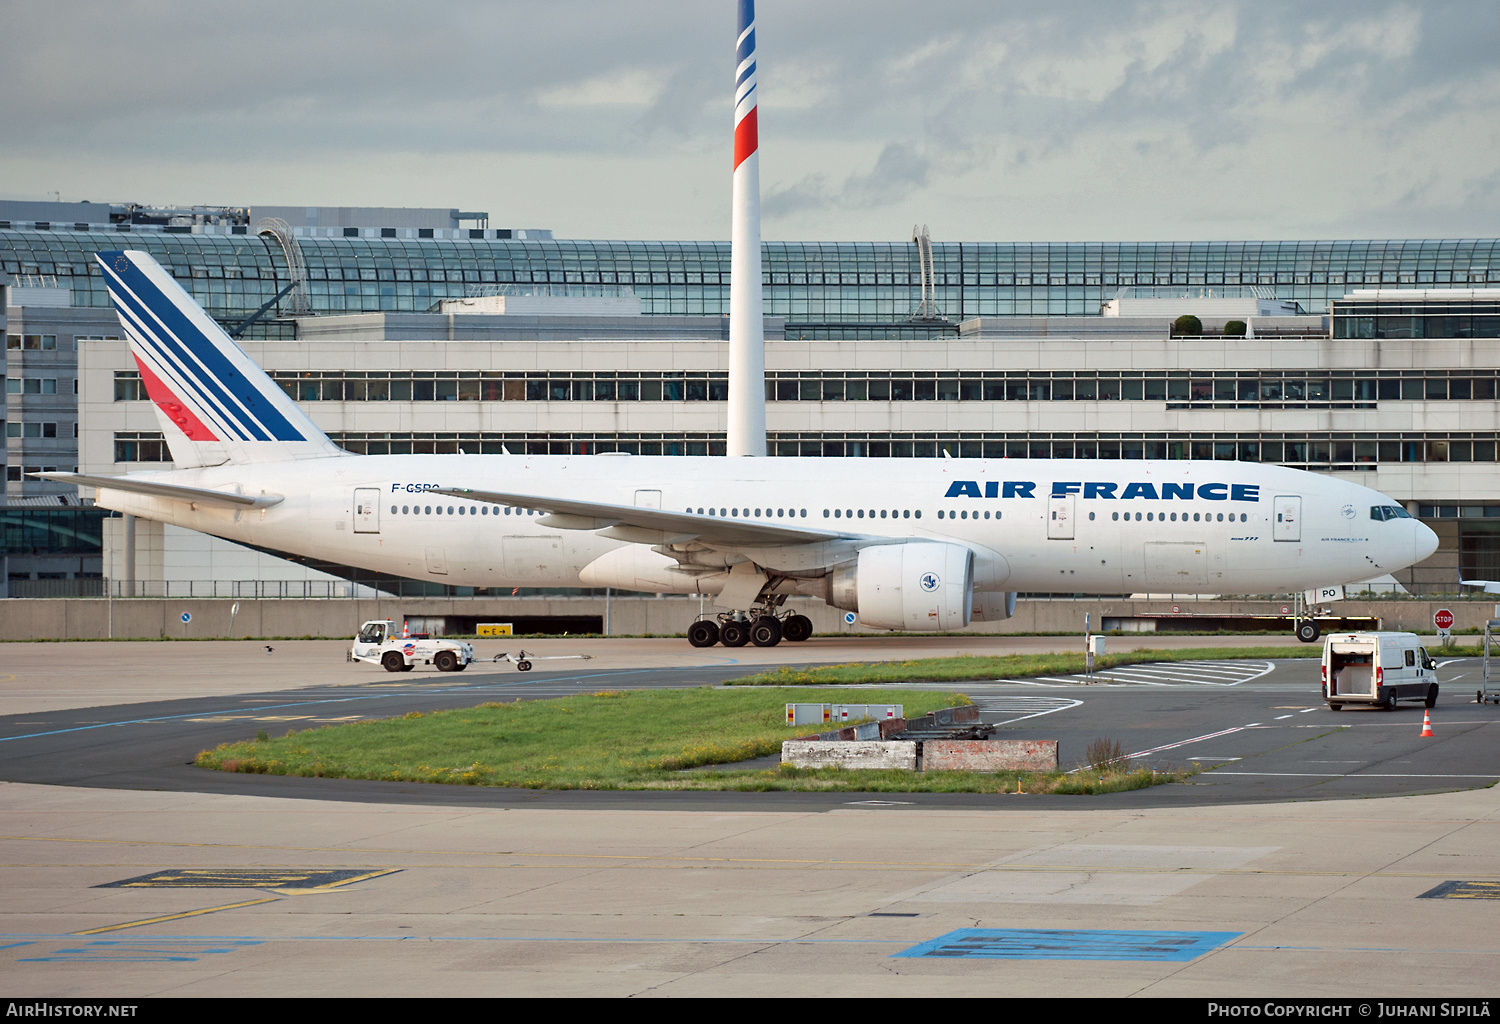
<point>1081,526</point>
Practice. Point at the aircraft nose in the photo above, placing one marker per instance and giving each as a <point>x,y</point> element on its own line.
<point>1424,541</point>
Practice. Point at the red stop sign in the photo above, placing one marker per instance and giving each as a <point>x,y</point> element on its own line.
<point>1442,619</point>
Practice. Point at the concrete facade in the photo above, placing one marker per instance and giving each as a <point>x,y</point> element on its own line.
<point>900,754</point>
<point>989,755</point>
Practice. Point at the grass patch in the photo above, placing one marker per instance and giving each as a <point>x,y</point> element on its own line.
<point>636,739</point>
<point>604,740</point>
<point>841,780</point>
<point>1008,666</point>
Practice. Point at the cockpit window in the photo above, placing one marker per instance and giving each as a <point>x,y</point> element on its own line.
<point>1381,513</point>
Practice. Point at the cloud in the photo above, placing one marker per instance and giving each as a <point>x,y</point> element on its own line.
<point>626,87</point>
<point>899,170</point>
<point>1139,118</point>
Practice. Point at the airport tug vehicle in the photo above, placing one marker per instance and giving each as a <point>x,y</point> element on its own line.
<point>1377,670</point>
<point>379,642</point>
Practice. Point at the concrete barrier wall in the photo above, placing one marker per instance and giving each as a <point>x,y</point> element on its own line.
<point>989,755</point>
<point>90,618</point>
<point>850,754</point>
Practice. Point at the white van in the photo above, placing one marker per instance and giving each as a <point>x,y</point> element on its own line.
<point>1377,669</point>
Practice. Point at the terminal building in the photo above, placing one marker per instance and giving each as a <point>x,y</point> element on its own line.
<point>431,331</point>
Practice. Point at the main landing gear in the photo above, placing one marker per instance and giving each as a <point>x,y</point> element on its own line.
<point>761,626</point>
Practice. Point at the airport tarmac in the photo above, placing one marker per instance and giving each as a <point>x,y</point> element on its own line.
<point>443,891</point>
<point>72,674</point>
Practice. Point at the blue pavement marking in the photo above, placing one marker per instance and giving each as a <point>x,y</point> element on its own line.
<point>1068,944</point>
<point>140,950</point>
<point>309,703</point>
<point>176,945</point>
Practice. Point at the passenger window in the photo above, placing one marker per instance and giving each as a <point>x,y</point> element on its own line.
<point>1411,658</point>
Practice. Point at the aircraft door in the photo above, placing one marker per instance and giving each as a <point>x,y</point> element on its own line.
<point>648,499</point>
<point>1287,524</point>
<point>1060,517</point>
<point>367,510</point>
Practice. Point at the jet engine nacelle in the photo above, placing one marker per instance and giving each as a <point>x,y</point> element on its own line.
<point>923,586</point>
<point>994,607</point>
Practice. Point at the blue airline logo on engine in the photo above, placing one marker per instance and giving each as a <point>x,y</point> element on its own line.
<point>1110,489</point>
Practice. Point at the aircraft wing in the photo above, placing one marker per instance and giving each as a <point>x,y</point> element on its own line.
<point>177,492</point>
<point>1490,586</point>
<point>634,523</point>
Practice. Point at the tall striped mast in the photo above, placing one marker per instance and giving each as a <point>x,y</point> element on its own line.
<point>747,344</point>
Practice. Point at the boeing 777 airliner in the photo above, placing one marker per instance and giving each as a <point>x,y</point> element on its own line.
<point>909,544</point>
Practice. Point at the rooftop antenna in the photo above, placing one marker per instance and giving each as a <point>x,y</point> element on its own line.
<point>746,433</point>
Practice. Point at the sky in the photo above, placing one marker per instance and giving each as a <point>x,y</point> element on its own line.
<point>985,121</point>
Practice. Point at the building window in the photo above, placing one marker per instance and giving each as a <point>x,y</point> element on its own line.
<point>141,446</point>
<point>129,387</point>
<point>31,386</point>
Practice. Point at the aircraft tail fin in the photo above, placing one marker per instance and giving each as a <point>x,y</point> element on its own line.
<point>1490,586</point>
<point>215,405</point>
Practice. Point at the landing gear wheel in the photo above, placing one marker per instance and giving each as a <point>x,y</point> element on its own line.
<point>392,661</point>
<point>1432,696</point>
<point>797,628</point>
<point>523,666</point>
<point>703,633</point>
<point>445,661</point>
<point>734,634</point>
<point>1308,631</point>
<point>765,632</point>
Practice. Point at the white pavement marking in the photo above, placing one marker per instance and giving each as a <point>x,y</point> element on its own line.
<point>1183,743</point>
<point>1022,706</point>
<point>1162,673</point>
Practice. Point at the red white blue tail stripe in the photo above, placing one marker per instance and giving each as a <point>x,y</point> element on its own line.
<point>199,379</point>
<point>746,140</point>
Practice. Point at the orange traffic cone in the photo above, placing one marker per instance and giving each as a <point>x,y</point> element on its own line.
<point>405,633</point>
<point>1426,724</point>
